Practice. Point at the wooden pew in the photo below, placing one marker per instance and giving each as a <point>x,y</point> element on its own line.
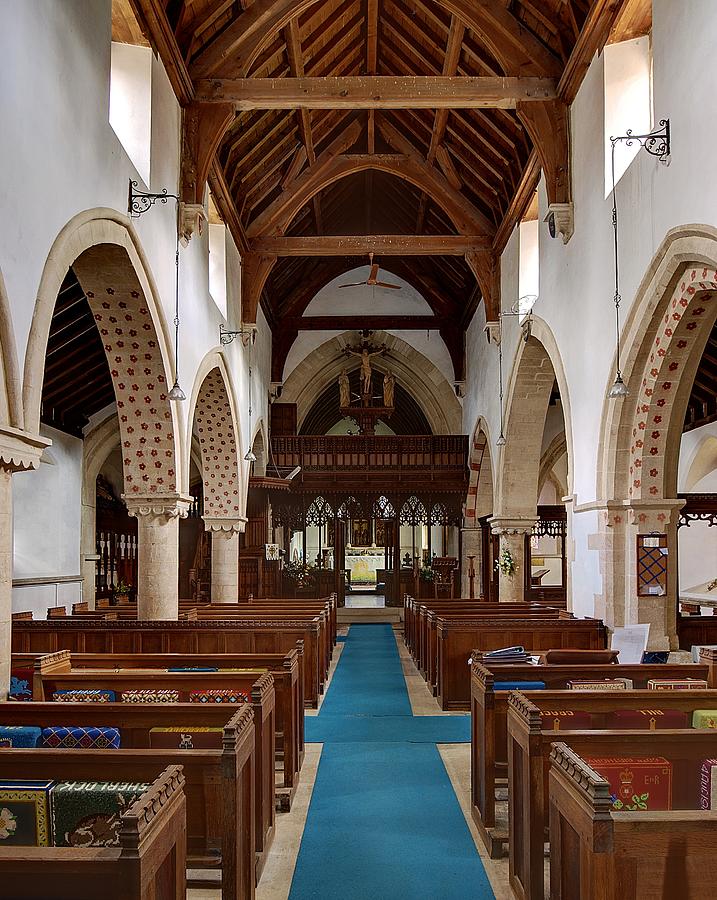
<point>529,748</point>
<point>598,854</point>
<point>286,670</point>
<point>188,638</point>
<point>489,721</point>
<point>260,690</point>
<point>151,861</point>
<point>458,638</point>
<point>219,784</point>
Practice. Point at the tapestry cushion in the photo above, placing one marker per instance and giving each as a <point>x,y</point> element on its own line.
<point>637,783</point>
<point>99,695</point>
<point>187,737</point>
<point>193,669</point>
<point>519,686</point>
<point>87,813</point>
<point>677,684</point>
<point>708,784</point>
<point>218,696</point>
<point>604,684</point>
<point>21,684</point>
<point>148,695</point>
<point>566,720</point>
<point>655,657</point>
<point>19,736</point>
<point>25,813</point>
<point>651,719</point>
<point>247,671</point>
<point>81,737</point>
<point>704,718</point>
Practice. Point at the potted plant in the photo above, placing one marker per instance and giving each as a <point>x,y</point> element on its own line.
<point>122,592</point>
<point>300,576</point>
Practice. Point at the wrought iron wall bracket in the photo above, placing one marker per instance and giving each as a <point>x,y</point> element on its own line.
<point>657,142</point>
<point>138,202</point>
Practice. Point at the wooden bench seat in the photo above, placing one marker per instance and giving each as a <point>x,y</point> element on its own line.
<point>150,863</point>
<point>259,688</point>
<point>193,639</point>
<point>219,784</point>
<point>530,745</point>
<point>458,638</point>
<point>489,720</point>
<point>598,854</point>
<point>285,669</point>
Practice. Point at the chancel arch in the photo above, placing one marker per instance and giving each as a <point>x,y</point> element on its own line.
<point>663,342</point>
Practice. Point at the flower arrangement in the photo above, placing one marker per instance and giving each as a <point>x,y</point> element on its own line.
<point>505,564</point>
<point>302,574</point>
<point>122,589</point>
<point>427,574</point>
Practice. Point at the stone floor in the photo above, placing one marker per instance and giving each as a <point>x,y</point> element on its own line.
<point>356,600</point>
<point>276,880</point>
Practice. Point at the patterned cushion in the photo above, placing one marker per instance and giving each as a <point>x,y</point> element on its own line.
<point>19,736</point>
<point>85,696</point>
<point>87,813</point>
<point>519,686</point>
<point>218,696</point>
<point>21,684</point>
<point>24,814</point>
<point>704,718</point>
<point>79,737</point>
<point>150,696</point>
<point>708,784</point>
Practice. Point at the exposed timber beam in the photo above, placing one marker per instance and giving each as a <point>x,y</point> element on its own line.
<point>357,323</point>
<point>377,92</point>
<point>385,244</point>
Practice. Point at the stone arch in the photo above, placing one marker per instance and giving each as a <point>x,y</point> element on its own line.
<point>555,450</point>
<point>703,462</point>
<point>114,250</point>
<point>215,422</point>
<point>480,486</point>
<point>537,366</point>
<point>679,278</point>
<point>663,339</point>
<point>11,412</point>
<point>434,394</point>
<point>260,448</point>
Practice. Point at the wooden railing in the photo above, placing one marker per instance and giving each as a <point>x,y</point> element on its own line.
<point>439,454</point>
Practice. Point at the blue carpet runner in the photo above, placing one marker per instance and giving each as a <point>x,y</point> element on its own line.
<point>384,821</point>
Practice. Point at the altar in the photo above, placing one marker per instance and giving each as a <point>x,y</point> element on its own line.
<point>363,562</point>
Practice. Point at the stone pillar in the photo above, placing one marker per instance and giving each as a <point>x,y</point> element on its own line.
<point>512,537</point>
<point>158,518</point>
<point>225,557</point>
<point>471,545</point>
<point>623,522</point>
<point>18,453</point>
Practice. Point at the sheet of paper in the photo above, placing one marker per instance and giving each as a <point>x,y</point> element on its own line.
<point>631,641</point>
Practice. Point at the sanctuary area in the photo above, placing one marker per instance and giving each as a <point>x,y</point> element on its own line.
<point>358,450</point>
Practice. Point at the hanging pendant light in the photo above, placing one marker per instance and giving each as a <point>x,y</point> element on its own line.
<point>250,456</point>
<point>501,442</point>
<point>176,393</point>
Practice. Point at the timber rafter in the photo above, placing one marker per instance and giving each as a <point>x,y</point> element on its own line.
<point>428,119</point>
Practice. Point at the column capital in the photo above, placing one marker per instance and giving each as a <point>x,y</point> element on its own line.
<point>655,515</point>
<point>167,506</point>
<point>218,524</point>
<point>515,525</point>
<point>19,450</point>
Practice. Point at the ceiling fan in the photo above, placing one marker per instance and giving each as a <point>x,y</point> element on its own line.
<point>372,279</point>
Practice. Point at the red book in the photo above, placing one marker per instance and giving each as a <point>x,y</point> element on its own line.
<point>637,783</point>
<point>651,719</point>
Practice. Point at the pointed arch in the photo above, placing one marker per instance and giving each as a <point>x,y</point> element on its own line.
<point>479,502</point>
<point>103,248</point>
<point>11,412</point>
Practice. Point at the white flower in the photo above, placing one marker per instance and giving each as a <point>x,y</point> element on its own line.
<point>8,823</point>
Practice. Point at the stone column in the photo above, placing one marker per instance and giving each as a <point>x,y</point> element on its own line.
<point>18,453</point>
<point>471,545</point>
<point>622,523</point>
<point>225,557</point>
<point>158,518</point>
<point>512,537</point>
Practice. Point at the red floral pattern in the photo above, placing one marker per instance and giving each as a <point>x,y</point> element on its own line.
<point>220,462</point>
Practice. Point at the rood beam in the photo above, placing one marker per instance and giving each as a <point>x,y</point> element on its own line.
<point>385,244</point>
